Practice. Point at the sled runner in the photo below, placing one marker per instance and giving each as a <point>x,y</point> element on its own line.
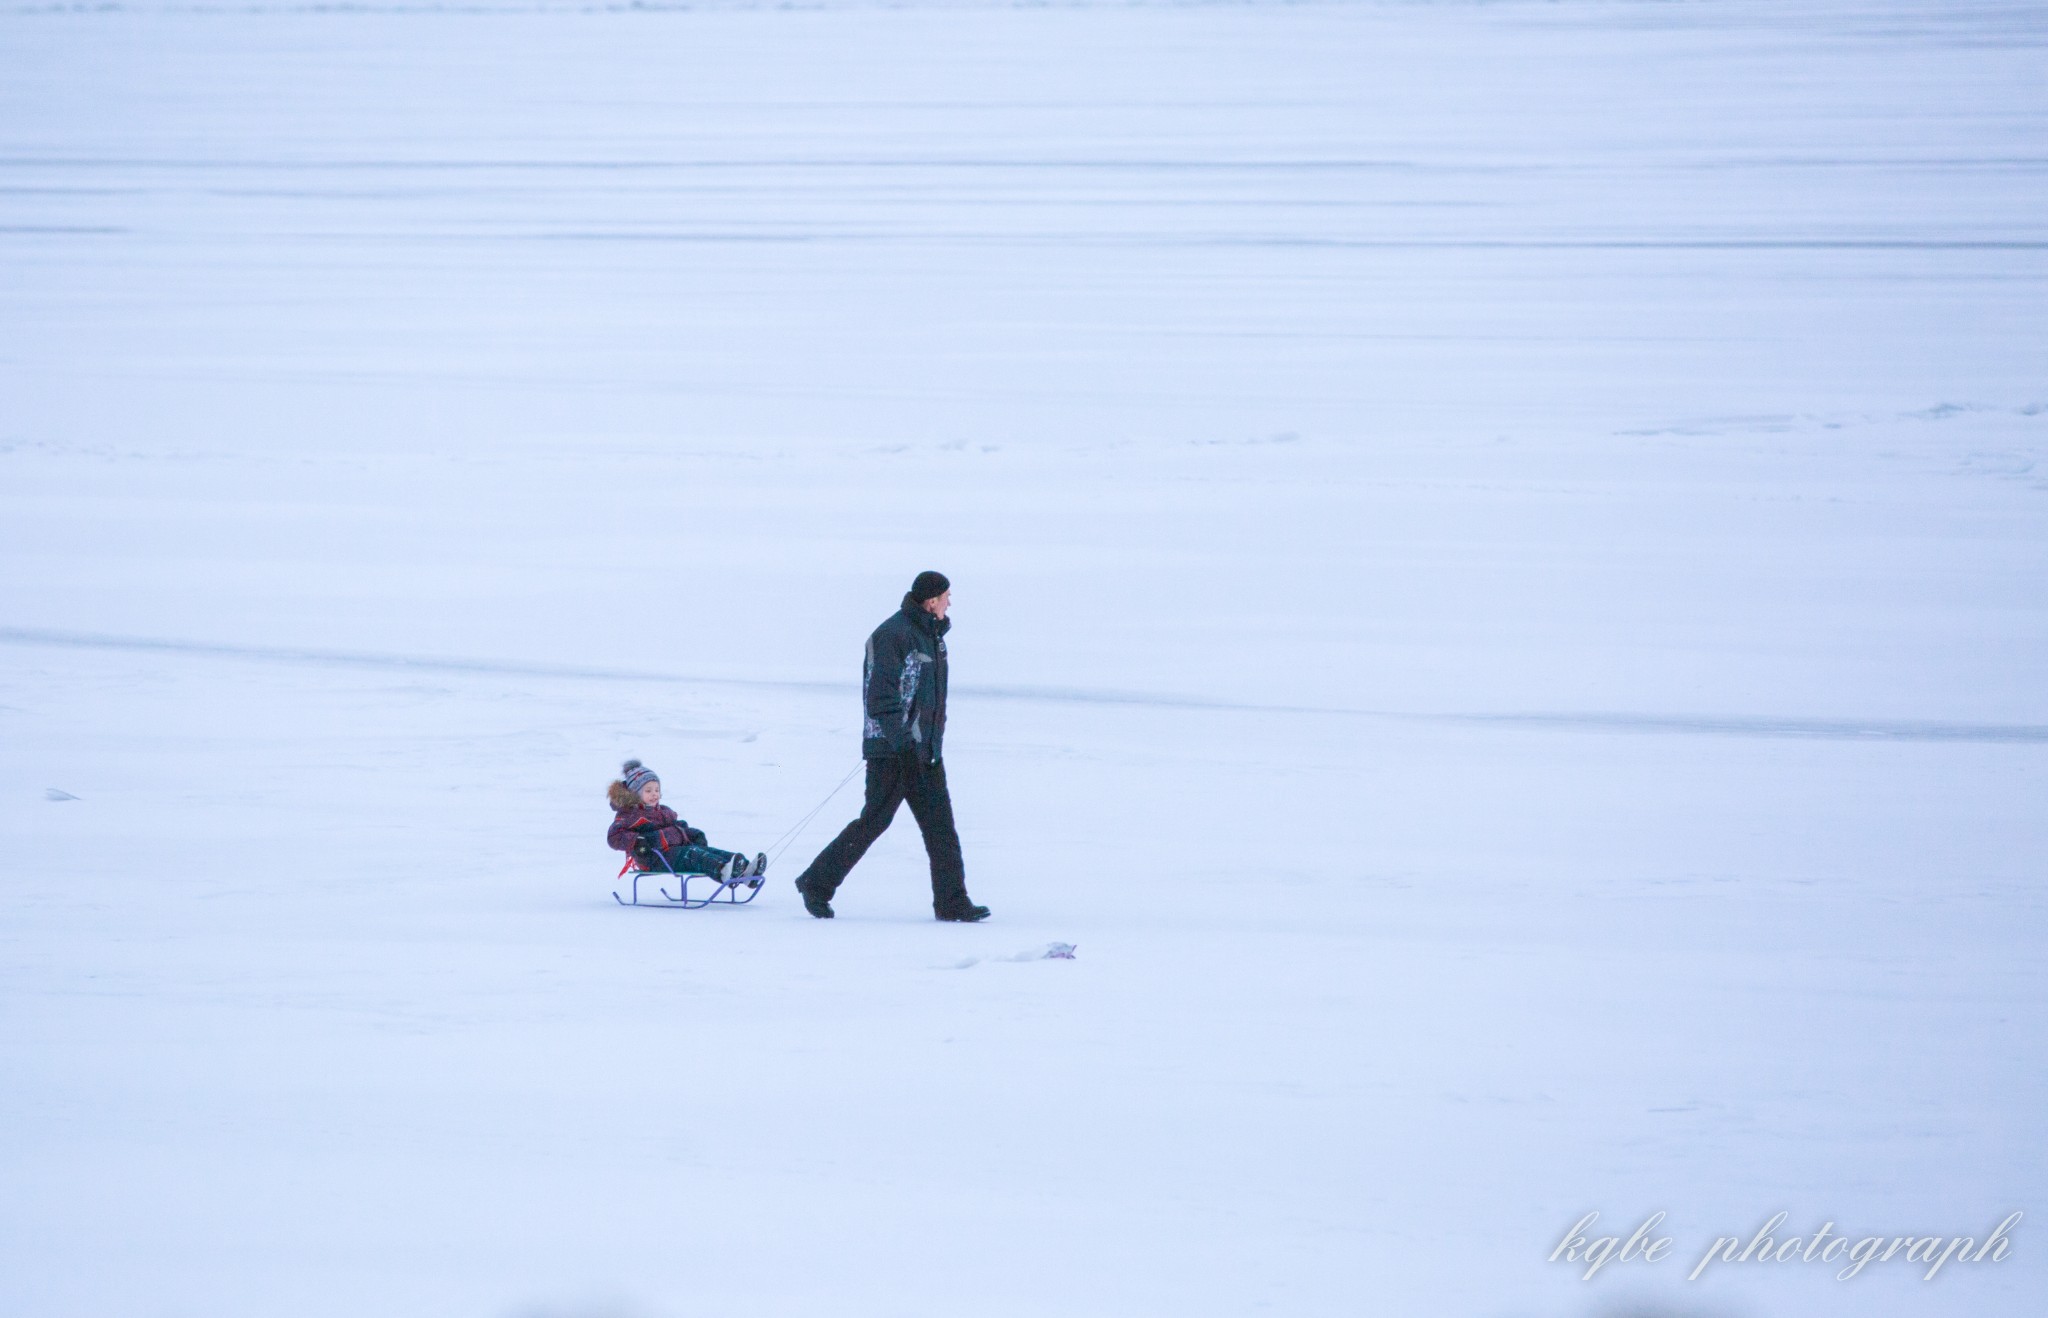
<point>726,893</point>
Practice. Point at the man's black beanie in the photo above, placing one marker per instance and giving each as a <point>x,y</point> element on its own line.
<point>929,586</point>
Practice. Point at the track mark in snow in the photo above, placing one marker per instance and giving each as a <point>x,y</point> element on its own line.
<point>356,659</point>
<point>1048,952</point>
<point>1823,729</point>
<point>1711,725</point>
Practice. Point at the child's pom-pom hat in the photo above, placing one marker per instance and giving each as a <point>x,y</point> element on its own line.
<point>636,775</point>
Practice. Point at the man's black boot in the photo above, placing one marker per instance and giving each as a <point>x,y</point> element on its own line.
<point>964,914</point>
<point>813,903</point>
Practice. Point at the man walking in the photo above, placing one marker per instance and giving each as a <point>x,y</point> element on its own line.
<point>904,682</point>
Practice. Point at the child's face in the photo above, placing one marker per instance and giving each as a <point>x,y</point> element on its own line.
<point>651,793</point>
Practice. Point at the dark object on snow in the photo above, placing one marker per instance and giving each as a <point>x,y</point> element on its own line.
<point>818,906</point>
<point>903,679</point>
<point>964,915</point>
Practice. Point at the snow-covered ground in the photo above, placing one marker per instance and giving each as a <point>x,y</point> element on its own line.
<point>1501,559</point>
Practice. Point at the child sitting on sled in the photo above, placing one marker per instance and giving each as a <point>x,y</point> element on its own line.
<point>652,834</point>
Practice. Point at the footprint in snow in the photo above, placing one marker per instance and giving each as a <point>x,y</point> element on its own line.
<point>54,794</point>
<point>1049,952</point>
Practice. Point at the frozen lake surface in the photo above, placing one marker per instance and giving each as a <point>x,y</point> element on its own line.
<point>1501,562</point>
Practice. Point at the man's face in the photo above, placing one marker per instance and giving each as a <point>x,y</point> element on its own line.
<point>651,793</point>
<point>938,604</point>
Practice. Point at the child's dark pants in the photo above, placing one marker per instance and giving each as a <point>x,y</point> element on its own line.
<point>695,859</point>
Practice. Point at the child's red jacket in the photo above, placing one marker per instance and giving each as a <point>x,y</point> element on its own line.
<point>656,825</point>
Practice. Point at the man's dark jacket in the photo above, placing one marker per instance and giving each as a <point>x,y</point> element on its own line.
<point>905,684</point>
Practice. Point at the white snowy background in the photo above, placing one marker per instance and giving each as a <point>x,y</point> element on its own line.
<point>1501,559</point>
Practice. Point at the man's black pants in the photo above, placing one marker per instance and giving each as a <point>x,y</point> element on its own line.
<point>892,781</point>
